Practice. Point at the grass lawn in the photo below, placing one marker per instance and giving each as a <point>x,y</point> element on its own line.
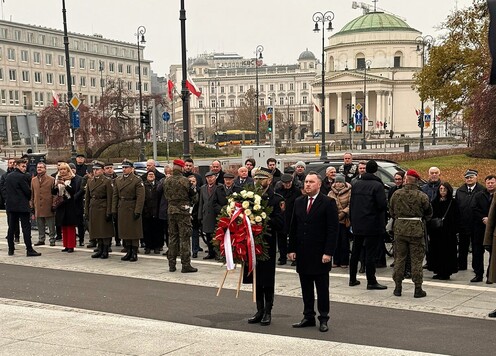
<point>453,167</point>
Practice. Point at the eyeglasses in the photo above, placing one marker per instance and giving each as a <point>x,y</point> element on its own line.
<point>398,178</point>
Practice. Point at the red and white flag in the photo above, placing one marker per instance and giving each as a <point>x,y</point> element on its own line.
<point>55,98</point>
<point>190,84</point>
<point>170,86</point>
<point>316,107</point>
<point>263,117</point>
<point>417,112</point>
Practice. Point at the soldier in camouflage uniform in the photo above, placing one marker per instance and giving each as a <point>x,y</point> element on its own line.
<point>180,195</point>
<point>409,208</point>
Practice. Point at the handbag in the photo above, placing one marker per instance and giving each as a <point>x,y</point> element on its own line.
<point>59,199</point>
<point>438,223</point>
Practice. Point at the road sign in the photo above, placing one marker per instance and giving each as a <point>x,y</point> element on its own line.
<point>270,111</point>
<point>427,110</point>
<point>165,116</point>
<point>358,117</point>
<point>75,120</point>
<point>358,106</point>
<point>75,102</point>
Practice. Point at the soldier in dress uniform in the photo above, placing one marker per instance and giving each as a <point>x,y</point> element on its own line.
<point>127,205</point>
<point>266,270</point>
<point>180,195</point>
<point>98,210</point>
<point>108,172</point>
<point>409,207</point>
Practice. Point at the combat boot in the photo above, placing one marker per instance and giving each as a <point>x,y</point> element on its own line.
<point>105,252</point>
<point>128,254</point>
<point>397,290</point>
<point>419,292</point>
<point>260,308</point>
<point>134,254</point>
<point>98,251</point>
<point>188,269</point>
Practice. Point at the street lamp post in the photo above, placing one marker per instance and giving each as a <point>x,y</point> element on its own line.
<point>423,44</point>
<point>368,62</point>
<point>185,94</point>
<point>258,55</point>
<point>69,83</point>
<point>140,36</point>
<point>320,17</point>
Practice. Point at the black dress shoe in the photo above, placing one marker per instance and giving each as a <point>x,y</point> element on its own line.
<point>81,243</point>
<point>70,250</point>
<point>39,243</point>
<point>32,253</point>
<point>92,244</point>
<point>172,268</point>
<point>489,282</point>
<point>195,255</point>
<point>492,314</point>
<point>209,257</point>
<point>476,279</point>
<point>354,283</point>
<point>64,250</point>
<point>323,327</point>
<point>376,286</point>
<point>11,252</point>
<point>304,323</point>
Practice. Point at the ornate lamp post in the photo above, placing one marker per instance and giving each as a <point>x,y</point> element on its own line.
<point>184,90</point>
<point>258,55</point>
<point>140,36</point>
<point>368,62</point>
<point>423,44</point>
<point>320,17</point>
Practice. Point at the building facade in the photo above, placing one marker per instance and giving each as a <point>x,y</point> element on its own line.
<point>33,68</point>
<point>224,80</point>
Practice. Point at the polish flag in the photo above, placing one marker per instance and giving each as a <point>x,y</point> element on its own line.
<point>316,107</point>
<point>55,98</point>
<point>170,86</point>
<point>417,112</point>
<point>190,84</point>
<point>263,117</point>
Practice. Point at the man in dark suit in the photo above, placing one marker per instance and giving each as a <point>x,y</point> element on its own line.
<point>223,191</point>
<point>243,179</point>
<point>206,213</point>
<point>312,241</point>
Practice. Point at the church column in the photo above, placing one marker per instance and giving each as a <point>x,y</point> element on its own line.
<point>379,112</point>
<point>339,116</point>
<point>327,105</point>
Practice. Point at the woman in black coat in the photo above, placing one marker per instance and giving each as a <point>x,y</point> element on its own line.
<point>66,213</point>
<point>443,242</point>
<point>152,228</point>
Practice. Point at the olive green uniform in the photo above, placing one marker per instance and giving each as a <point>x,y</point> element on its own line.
<point>180,195</point>
<point>409,207</point>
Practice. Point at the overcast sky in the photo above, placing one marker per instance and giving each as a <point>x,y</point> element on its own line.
<point>283,27</point>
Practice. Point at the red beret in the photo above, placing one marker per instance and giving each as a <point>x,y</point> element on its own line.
<point>413,173</point>
<point>178,162</point>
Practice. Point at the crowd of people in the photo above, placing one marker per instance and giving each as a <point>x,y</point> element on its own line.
<point>317,223</point>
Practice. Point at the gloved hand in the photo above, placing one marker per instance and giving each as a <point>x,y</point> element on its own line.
<point>137,216</point>
<point>108,217</point>
<point>487,248</point>
<point>114,215</point>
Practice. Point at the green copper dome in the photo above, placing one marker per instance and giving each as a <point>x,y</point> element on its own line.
<point>375,21</point>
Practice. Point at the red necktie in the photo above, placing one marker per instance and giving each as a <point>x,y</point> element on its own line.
<point>309,204</point>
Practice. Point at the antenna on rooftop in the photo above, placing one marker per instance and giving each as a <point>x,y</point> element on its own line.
<point>367,8</point>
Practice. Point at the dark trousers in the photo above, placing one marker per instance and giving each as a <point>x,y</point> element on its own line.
<point>195,240</point>
<point>58,229</point>
<point>321,282</point>
<point>282,246</point>
<point>17,231</point>
<point>478,254</point>
<point>211,251</point>
<point>342,253</point>
<point>81,231</point>
<point>371,245</point>
<point>152,233</point>
<point>463,244</point>
<point>14,219</point>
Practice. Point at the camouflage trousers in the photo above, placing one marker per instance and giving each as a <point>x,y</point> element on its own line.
<point>416,246</point>
<point>179,239</point>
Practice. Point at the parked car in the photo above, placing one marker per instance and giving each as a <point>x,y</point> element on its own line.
<point>386,169</point>
<point>139,168</point>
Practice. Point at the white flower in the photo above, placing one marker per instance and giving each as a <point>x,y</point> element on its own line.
<point>258,219</point>
<point>257,199</point>
<point>229,211</point>
<point>246,204</point>
<point>263,215</point>
<point>232,204</point>
<point>243,193</point>
<point>257,207</point>
<point>250,195</point>
<point>241,216</point>
<point>235,194</point>
<point>248,212</point>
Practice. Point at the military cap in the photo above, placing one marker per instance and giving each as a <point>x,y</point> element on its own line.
<point>98,165</point>
<point>127,163</point>
<point>470,173</point>
<point>108,164</point>
<point>263,172</point>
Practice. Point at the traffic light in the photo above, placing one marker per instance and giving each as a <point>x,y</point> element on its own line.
<point>351,124</point>
<point>269,125</point>
<point>145,117</point>
<point>420,123</point>
<point>385,125</point>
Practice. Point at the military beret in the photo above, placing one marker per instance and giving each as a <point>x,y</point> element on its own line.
<point>412,173</point>
<point>229,175</point>
<point>178,162</point>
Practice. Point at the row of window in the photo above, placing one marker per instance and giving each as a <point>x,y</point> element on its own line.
<point>57,41</point>
<point>283,100</point>
<point>200,120</point>
<point>82,62</point>
<point>37,78</point>
<point>282,87</point>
